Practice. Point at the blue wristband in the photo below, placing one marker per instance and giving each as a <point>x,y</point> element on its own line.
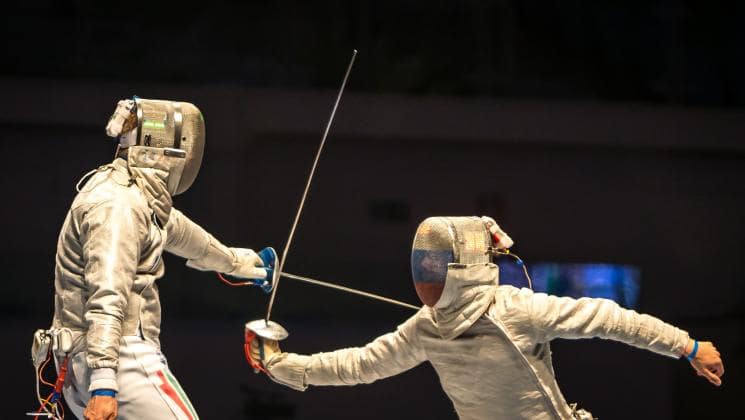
<point>103,393</point>
<point>692,355</point>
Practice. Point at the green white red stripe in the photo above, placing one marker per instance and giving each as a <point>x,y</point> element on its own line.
<point>170,386</point>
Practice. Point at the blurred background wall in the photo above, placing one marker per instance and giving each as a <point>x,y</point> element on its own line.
<point>594,132</point>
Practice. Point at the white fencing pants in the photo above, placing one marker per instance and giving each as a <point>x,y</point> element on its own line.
<point>147,388</point>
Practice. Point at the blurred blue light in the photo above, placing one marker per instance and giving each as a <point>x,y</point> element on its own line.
<point>619,283</point>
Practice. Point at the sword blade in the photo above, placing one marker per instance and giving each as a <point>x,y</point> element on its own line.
<point>307,187</point>
<point>348,290</point>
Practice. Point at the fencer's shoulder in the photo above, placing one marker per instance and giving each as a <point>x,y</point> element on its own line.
<point>107,189</point>
<point>423,320</point>
<point>108,200</point>
<point>509,299</point>
<point>425,312</point>
<point>508,292</point>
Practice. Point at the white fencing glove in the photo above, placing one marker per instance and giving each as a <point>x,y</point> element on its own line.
<point>247,264</point>
<point>238,262</point>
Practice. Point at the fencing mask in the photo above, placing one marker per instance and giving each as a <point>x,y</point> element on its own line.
<point>440,241</point>
<point>175,127</point>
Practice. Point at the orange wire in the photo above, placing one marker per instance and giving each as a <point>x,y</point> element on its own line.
<point>230,283</point>
<point>41,407</point>
<point>41,372</point>
<point>46,401</point>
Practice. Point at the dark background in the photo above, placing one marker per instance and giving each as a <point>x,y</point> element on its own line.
<point>593,131</point>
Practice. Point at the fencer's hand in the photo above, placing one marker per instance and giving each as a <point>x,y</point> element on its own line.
<point>247,264</point>
<point>271,347</point>
<point>101,407</point>
<point>708,361</point>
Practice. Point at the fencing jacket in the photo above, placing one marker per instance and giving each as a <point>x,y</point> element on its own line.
<point>489,345</point>
<point>108,259</point>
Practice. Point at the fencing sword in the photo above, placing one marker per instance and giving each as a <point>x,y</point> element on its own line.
<point>348,290</point>
<point>266,286</point>
<point>265,327</point>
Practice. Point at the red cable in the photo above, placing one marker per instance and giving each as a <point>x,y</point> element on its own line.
<point>250,335</point>
<point>230,283</point>
<point>59,383</point>
<point>61,377</point>
<point>41,371</point>
<point>41,407</point>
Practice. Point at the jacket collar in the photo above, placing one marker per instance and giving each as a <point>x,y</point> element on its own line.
<point>468,293</point>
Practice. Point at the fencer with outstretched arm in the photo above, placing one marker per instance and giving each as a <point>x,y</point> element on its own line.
<point>488,343</point>
<point>109,256</point>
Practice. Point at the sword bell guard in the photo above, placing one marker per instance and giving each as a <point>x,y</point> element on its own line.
<point>267,329</point>
<point>269,257</point>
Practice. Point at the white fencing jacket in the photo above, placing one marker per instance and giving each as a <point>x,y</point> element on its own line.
<point>488,344</point>
<point>108,259</point>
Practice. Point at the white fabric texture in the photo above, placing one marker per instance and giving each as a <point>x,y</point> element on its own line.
<point>501,239</point>
<point>247,264</point>
<point>108,260</point>
<point>157,176</point>
<point>238,262</point>
<point>147,388</point>
<point>464,299</point>
<point>499,366</point>
<point>123,111</point>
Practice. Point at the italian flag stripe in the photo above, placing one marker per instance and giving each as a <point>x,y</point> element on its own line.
<point>170,387</point>
<point>181,392</point>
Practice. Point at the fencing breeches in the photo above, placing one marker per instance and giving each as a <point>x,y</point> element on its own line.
<point>147,388</point>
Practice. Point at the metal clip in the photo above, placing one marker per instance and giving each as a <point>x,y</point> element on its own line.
<point>40,347</point>
<point>62,339</point>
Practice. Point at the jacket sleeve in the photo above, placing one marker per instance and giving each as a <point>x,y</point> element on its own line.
<point>111,234</point>
<point>387,355</point>
<point>202,251</point>
<point>564,317</point>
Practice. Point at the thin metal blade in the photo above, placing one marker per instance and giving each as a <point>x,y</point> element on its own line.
<point>307,186</point>
<point>349,290</point>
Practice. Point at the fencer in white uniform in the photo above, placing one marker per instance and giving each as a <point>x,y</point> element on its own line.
<point>488,343</point>
<point>109,258</point>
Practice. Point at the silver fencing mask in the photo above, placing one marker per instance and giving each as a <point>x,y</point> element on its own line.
<point>440,241</point>
<point>176,127</point>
